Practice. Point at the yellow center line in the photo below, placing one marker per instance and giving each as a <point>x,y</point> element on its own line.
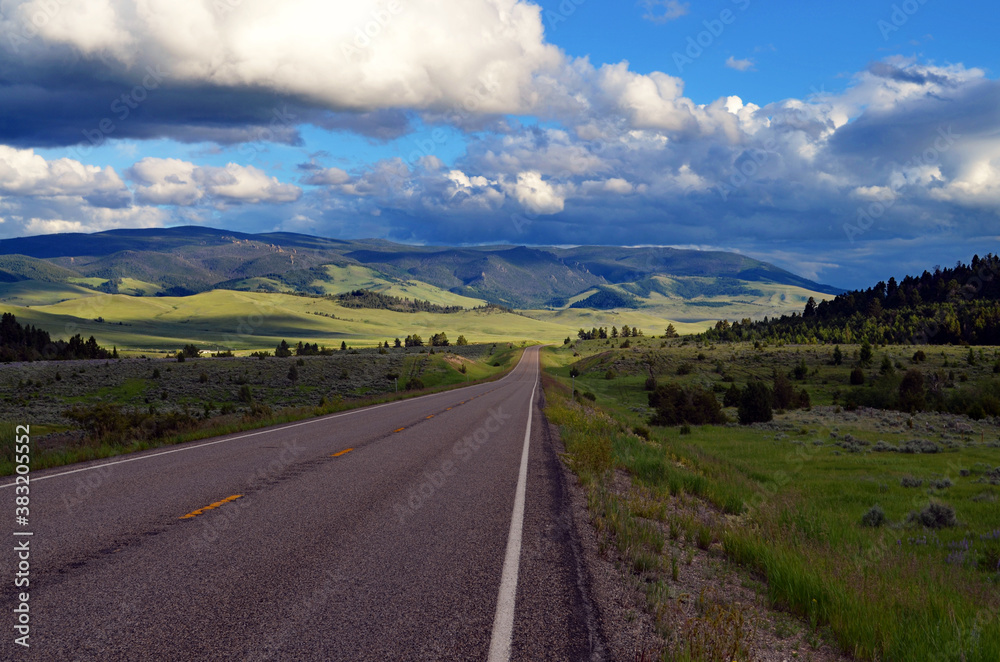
<point>431,416</point>
<point>343,452</point>
<point>212,506</point>
<point>399,430</point>
<point>448,409</point>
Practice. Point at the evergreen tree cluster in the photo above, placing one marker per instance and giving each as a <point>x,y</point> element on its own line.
<point>28,343</point>
<point>379,301</point>
<point>602,333</point>
<point>948,306</point>
<point>678,405</point>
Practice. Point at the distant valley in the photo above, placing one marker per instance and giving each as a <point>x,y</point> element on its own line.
<point>149,288</point>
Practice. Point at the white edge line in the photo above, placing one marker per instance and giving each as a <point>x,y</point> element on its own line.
<point>503,621</point>
<point>286,426</point>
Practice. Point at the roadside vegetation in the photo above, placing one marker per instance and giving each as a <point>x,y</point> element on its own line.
<point>83,410</point>
<point>872,522</point>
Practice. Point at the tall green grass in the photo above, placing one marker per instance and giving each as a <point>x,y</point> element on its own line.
<point>889,593</point>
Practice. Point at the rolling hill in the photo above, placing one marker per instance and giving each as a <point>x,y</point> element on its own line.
<point>186,260</point>
<point>193,282</point>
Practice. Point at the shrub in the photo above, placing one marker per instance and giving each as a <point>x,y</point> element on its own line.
<point>676,405</point>
<point>755,404</point>
<point>911,391</point>
<point>857,377</point>
<point>937,516</point>
<point>801,370</point>
<point>245,394</point>
<point>650,383</point>
<point>919,356</point>
<point>685,429</point>
<point>732,397</point>
<point>685,369</point>
<point>910,481</point>
<point>783,395</point>
<point>590,396</point>
<point>415,384</point>
<point>874,518</point>
<point>919,446</point>
<point>610,374</point>
<point>257,411</point>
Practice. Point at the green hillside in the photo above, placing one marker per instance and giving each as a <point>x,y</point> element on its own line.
<point>187,260</point>
<point>158,289</point>
<point>250,320</point>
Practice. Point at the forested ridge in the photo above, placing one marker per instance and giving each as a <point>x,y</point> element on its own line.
<point>947,306</point>
<point>379,301</point>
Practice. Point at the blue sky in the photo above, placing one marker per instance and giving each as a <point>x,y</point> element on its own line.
<point>845,141</point>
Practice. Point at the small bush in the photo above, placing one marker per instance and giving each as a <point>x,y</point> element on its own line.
<point>801,370</point>
<point>910,481</point>
<point>732,397</point>
<point>937,516</point>
<point>755,404</point>
<point>685,429</point>
<point>919,446</point>
<point>415,384</point>
<point>857,377</point>
<point>874,518</point>
<point>685,369</point>
<point>650,384</point>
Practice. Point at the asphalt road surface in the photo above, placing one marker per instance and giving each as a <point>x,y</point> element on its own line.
<point>406,531</point>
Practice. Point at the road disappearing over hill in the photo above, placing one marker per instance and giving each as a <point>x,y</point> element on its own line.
<point>394,532</point>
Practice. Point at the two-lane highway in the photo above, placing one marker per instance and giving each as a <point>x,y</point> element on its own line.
<point>425,529</point>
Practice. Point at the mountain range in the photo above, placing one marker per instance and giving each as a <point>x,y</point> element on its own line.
<point>182,261</point>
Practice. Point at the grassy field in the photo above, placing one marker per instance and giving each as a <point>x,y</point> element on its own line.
<point>249,320</point>
<point>138,403</point>
<point>786,500</point>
